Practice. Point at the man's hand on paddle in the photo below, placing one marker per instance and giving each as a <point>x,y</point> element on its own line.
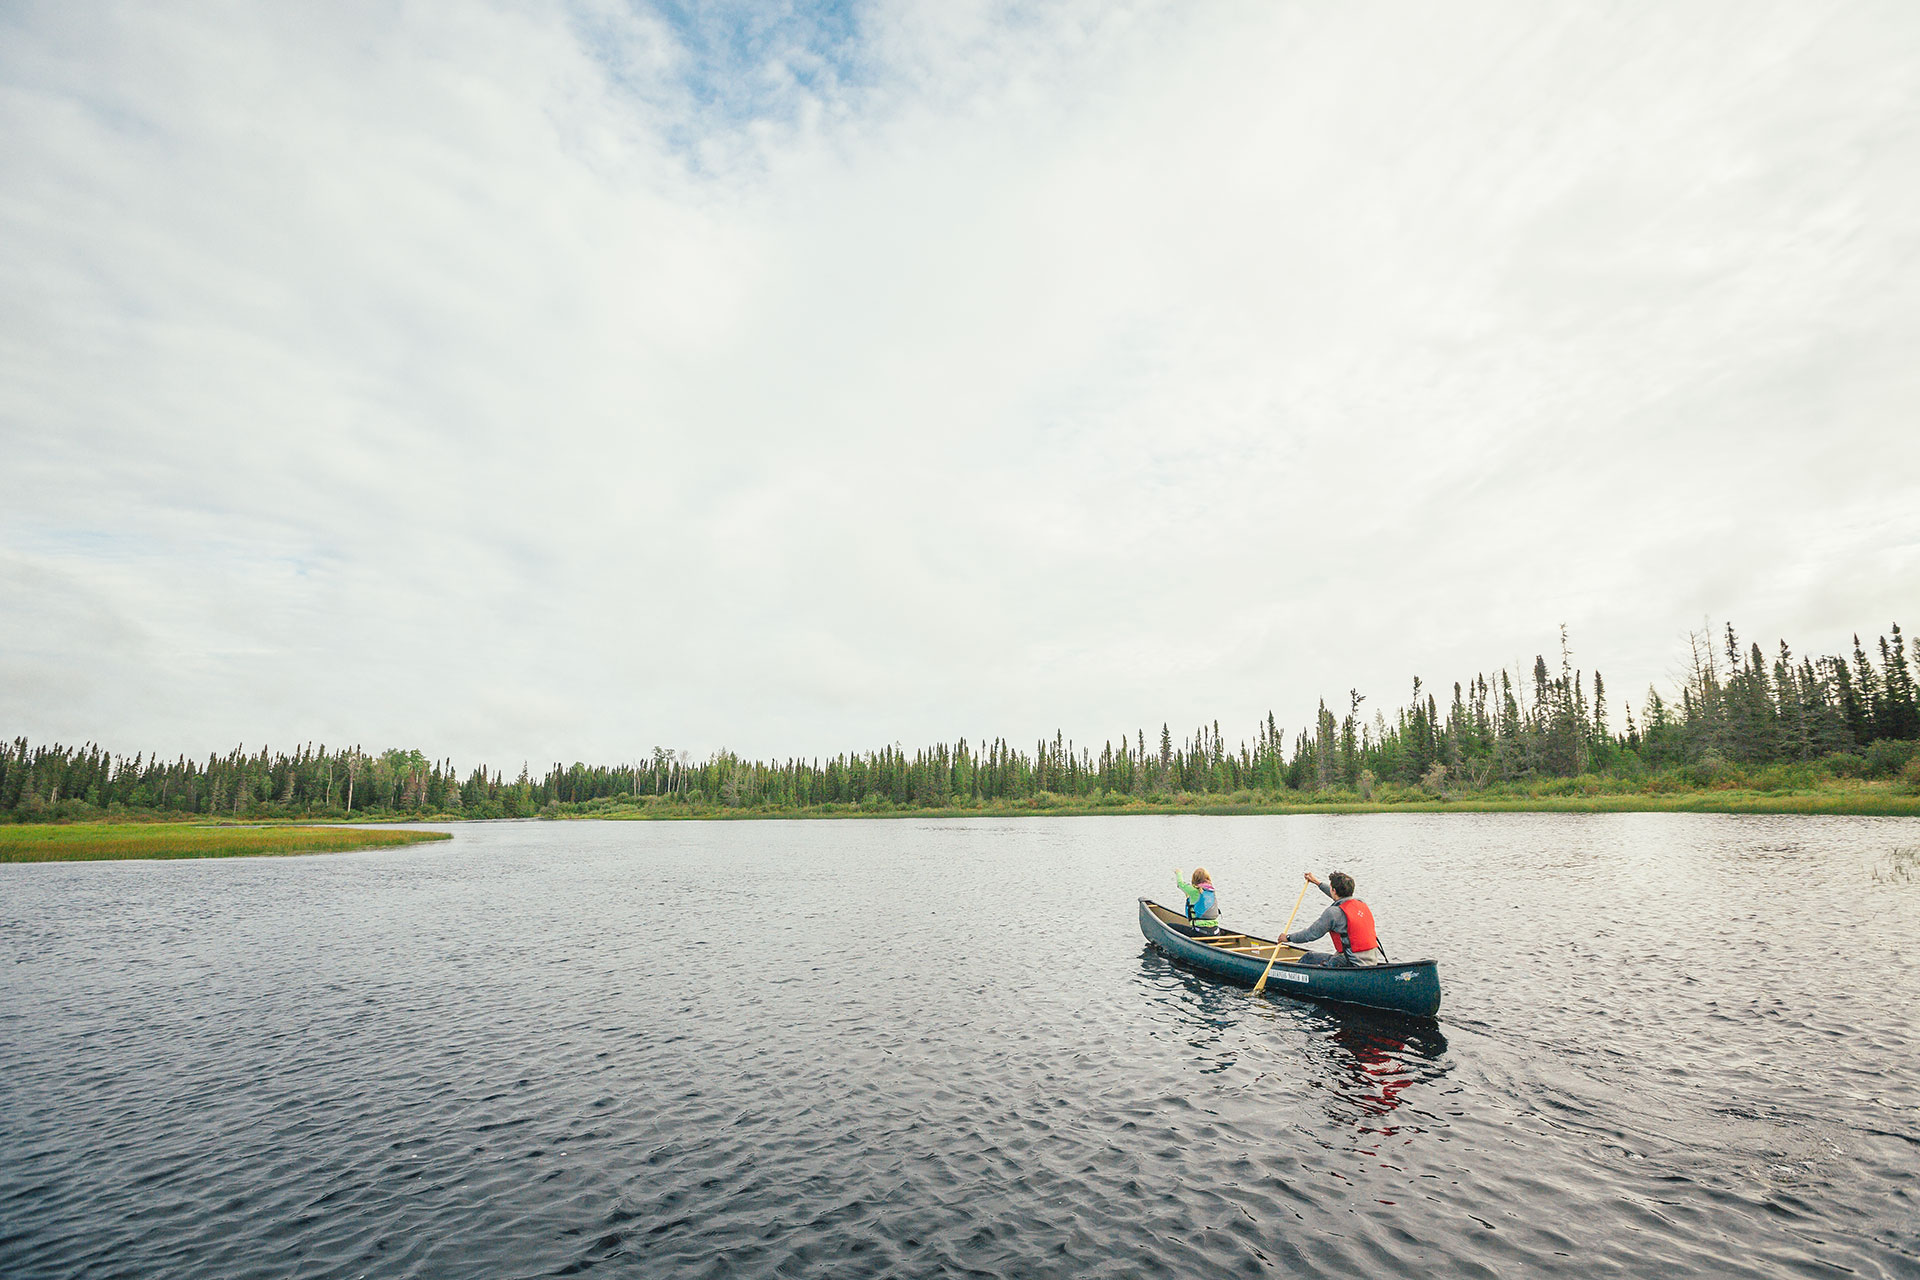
<point>1312,878</point>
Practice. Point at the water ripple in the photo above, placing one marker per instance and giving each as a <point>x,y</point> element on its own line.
<point>920,1048</point>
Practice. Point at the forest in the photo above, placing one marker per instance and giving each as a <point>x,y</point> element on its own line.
<point>1743,718</point>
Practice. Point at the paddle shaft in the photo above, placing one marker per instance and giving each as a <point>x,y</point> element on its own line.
<point>1280,941</point>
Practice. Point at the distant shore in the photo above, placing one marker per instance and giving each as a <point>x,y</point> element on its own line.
<point>132,835</point>
<point>103,841</point>
<point>1870,801</point>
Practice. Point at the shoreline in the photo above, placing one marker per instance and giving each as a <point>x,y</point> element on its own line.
<point>1905,806</point>
<point>1867,800</point>
<point>121,841</point>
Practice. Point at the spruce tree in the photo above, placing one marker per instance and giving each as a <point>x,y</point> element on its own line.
<point>1852,713</point>
<point>1599,708</point>
<point>1903,714</point>
<point>1791,708</point>
<point>1867,686</point>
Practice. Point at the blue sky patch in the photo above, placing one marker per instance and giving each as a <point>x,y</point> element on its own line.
<point>743,61</point>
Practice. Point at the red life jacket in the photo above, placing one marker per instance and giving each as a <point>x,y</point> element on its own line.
<point>1360,934</point>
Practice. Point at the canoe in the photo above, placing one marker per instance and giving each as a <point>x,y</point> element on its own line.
<point>1411,987</point>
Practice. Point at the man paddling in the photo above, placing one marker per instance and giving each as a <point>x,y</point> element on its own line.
<point>1347,921</point>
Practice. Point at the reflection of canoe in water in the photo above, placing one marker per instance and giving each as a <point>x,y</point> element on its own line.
<point>1412,987</point>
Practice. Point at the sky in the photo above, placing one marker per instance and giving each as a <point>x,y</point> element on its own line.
<point>552,381</point>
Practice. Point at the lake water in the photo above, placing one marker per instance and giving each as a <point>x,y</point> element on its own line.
<point>1671,1045</point>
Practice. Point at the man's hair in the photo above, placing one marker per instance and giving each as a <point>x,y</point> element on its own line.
<point>1342,884</point>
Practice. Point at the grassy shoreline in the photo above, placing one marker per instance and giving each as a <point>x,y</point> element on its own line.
<point>157,836</point>
<point>1835,796</point>
<point>1847,805</point>
<point>103,841</point>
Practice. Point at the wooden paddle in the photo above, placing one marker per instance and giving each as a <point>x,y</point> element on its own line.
<point>1281,941</point>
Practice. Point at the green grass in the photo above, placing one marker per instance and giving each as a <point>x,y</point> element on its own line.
<point>87,841</point>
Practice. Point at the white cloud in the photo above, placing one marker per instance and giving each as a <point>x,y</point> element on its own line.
<point>524,382</point>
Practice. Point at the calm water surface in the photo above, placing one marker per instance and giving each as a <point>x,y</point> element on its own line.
<point>1671,1045</point>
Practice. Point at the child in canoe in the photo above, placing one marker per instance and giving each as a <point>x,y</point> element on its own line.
<point>1203,904</point>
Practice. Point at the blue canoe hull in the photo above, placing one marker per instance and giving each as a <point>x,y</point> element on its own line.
<point>1412,988</point>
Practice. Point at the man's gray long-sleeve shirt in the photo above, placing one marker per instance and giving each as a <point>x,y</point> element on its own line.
<point>1333,920</point>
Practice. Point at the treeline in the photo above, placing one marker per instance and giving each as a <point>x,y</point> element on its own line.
<point>1742,717</point>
